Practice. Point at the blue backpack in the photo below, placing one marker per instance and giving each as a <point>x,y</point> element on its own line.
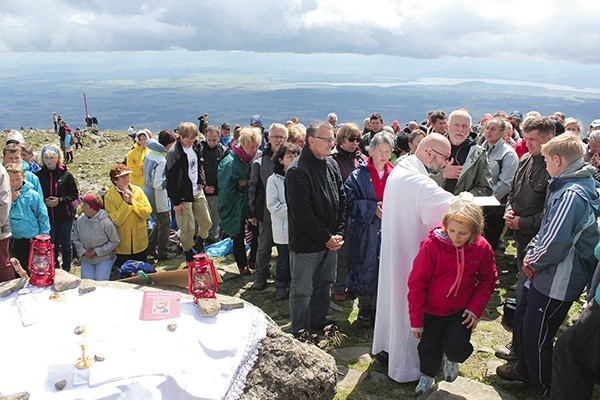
<point>132,267</point>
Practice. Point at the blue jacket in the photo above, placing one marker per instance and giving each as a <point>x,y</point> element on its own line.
<point>28,214</point>
<point>363,232</point>
<point>562,253</point>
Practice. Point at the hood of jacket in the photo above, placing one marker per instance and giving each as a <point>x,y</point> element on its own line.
<point>587,187</point>
<point>154,145</point>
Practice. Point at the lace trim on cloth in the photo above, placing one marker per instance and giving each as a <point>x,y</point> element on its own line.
<point>258,332</point>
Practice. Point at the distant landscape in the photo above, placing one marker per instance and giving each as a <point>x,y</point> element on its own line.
<point>232,86</point>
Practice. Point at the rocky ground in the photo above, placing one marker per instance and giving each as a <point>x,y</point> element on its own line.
<point>360,376</point>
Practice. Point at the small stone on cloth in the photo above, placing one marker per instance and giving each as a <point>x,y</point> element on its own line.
<point>58,297</point>
<point>79,329</point>
<point>231,305</point>
<point>172,327</point>
<point>60,385</point>
<point>6,288</point>
<point>208,307</point>
<point>65,281</point>
<point>86,286</point>
<point>98,358</point>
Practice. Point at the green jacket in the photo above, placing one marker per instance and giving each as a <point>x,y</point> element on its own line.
<point>476,176</point>
<point>233,204</point>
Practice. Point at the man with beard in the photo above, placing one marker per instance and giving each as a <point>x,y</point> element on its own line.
<point>403,228</point>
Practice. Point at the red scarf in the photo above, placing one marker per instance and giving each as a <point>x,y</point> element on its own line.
<point>377,182</point>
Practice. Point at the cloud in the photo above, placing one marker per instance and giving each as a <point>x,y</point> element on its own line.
<point>554,30</point>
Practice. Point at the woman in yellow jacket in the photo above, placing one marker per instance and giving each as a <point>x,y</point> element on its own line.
<point>128,208</point>
<point>135,157</point>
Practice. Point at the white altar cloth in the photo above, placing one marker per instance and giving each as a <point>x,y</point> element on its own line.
<point>204,358</point>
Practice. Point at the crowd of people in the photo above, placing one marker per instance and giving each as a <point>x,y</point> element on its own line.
<point>381,213</point>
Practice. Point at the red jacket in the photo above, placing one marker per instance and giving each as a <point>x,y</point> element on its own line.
<point>435,270</point>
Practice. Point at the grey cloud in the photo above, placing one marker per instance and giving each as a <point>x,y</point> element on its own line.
<point>414,29</point>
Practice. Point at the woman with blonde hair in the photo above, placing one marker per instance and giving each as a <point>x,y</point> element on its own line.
<point>60,190</point>
<point>233,175</point>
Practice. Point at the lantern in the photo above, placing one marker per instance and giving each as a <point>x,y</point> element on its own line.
<point>202,282</point>
<point>41,261</point>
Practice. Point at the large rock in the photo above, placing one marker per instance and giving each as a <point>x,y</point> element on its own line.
<point>65,281</point>
<point>285,368</point>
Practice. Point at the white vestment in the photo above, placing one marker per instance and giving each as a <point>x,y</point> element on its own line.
<point>412,204</point>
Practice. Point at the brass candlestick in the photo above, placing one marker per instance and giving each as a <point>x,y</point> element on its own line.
<point>84,362</point>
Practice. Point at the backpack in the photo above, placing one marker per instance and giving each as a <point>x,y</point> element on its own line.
<point>132,267</point>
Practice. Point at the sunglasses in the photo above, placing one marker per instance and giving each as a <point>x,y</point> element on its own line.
<point>354,139</point>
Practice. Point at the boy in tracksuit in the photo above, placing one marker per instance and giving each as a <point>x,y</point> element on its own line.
<point>559,262</point>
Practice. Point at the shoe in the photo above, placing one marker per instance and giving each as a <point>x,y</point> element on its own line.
<point>245,271</point>
<point>251,265</point>
<point>506,352</point>
<point>281,293</point>
<point>189,255</point>
<point>450,370</point>
<point>364,319</point>
<point>319,328</point>
<point>509,372</point>
<point>258,285</point>
<point>425,383</point>
<point>339,295</point>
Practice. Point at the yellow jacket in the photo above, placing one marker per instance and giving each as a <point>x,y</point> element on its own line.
<point>135,162</point>
<point>130,220</point>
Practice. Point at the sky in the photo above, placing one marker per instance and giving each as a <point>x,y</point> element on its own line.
<point>424,29</point>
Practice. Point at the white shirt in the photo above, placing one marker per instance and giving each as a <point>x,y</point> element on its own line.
<point>192,168</point>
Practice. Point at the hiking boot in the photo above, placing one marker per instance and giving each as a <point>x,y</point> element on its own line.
<point>509,372</point>
<point>425,383</point>
<point>259,284</point>
<point>365,319</point>
<point>251,265</point>
<point>281,293</point>
<point>450,369</point>
<point>245,271</point>
<point>189,255</point>
<point>506,352</point>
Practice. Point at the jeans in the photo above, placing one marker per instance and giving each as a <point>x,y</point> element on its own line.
<point>342,268</point>
<point>60,236</point>
<point>98,272</point>
<point>282,272</point>
<point>265,247</point>
<point>213,205</point>
<point>312,276</point>
<point>158,240</point>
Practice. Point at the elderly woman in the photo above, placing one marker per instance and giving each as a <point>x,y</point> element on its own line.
<point>364,196</point>
<point>95,238</point>
<point>233,175</point>
<point>128,208</point>
<point>60,190</point>
<point>348,156</point>
<point>135,157</point>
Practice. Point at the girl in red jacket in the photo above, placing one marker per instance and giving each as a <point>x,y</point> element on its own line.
<point>452,279</point>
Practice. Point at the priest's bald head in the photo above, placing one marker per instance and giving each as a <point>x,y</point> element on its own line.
<point>434,152</point>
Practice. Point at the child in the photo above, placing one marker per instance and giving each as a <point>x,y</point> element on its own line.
<point>277,206</point>
<point>28,214</point>
<point>68,147</point>
<point>185,187</point>
<point>452,279</point>
<point>78,139</point>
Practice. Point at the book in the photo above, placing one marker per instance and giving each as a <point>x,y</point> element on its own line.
<point>157,305</point>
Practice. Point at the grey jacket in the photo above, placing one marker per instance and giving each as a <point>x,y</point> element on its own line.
<point>97,233</point>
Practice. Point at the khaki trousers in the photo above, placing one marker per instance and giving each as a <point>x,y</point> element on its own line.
<point>193,213</point>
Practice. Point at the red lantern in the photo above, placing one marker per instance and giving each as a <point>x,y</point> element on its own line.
<point>41,261</point>
<point>202,282</point>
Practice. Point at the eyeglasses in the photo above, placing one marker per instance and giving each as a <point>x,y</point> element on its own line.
<point>354,139</point>
<point>279,137</point>
<point>446,158</point>
<point>327,139</point>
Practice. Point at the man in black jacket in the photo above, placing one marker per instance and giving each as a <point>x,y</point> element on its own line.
<point>316,202</point>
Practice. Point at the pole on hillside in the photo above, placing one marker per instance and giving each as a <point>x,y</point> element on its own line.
<point>85,104</point>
